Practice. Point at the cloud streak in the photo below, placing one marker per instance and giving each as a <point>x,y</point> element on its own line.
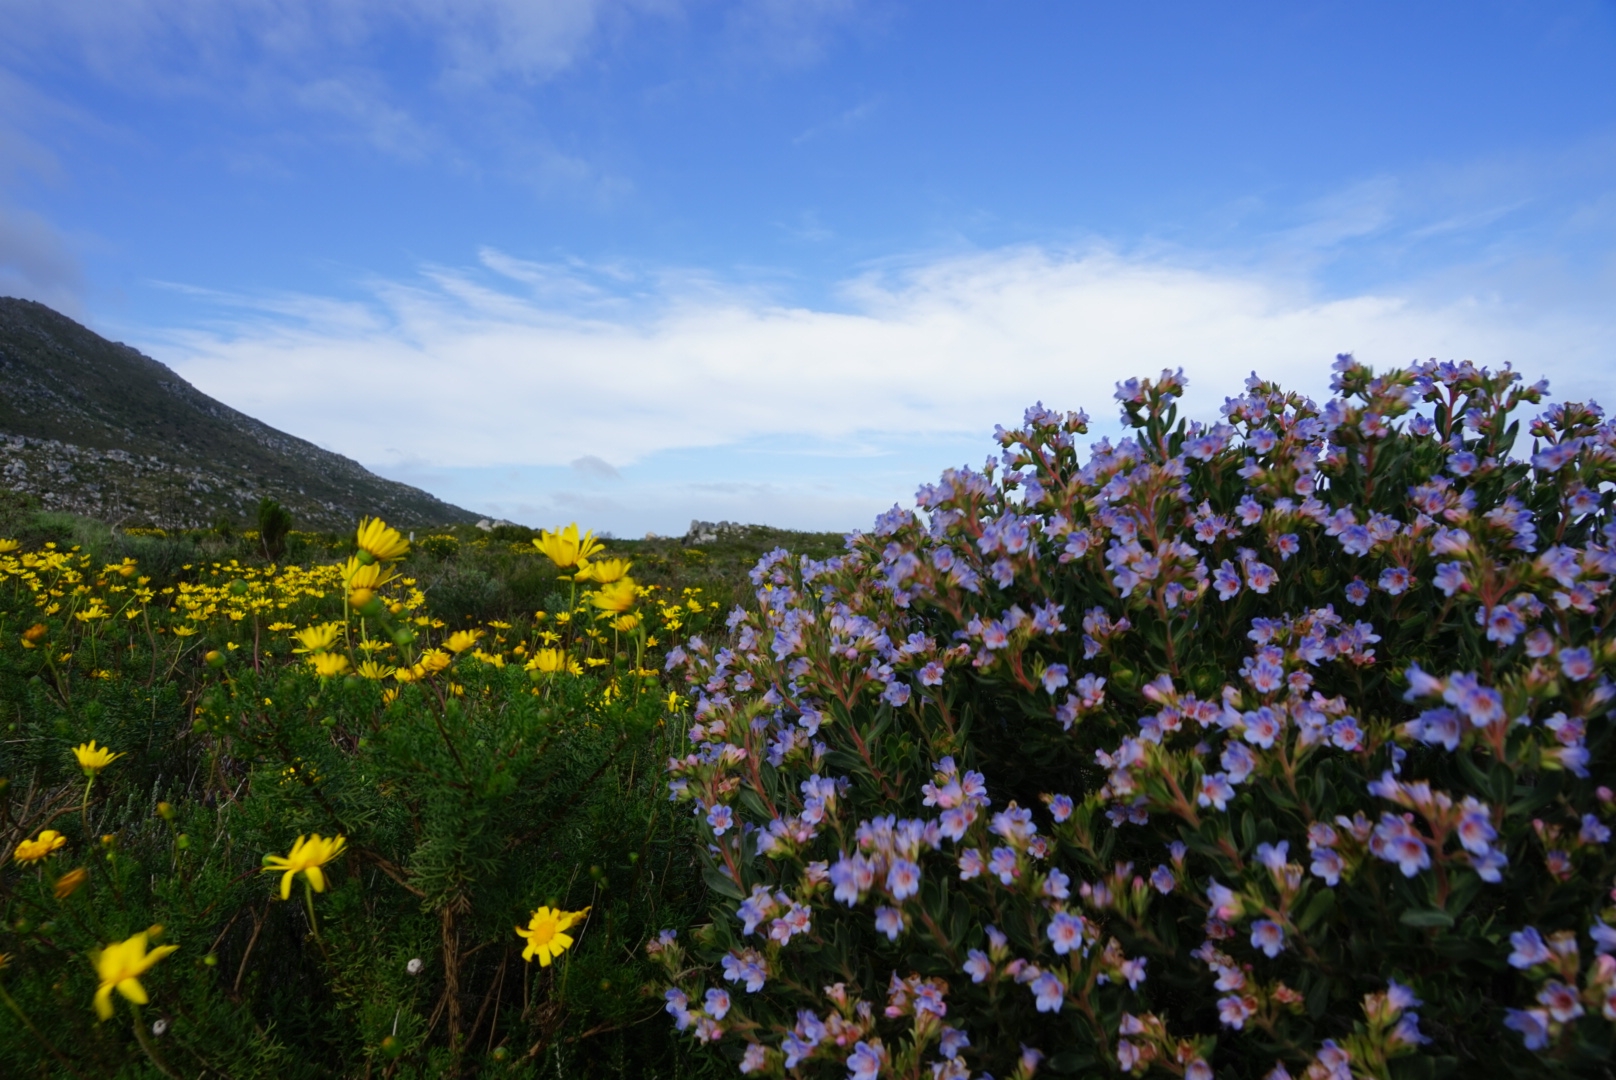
<point>514,363</point>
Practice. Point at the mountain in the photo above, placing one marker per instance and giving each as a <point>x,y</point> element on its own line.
<point>94,427</point>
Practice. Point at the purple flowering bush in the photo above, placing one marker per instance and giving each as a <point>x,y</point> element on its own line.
<point>1272,747</point>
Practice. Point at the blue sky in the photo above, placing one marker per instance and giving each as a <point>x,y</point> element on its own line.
<point>638,262</point>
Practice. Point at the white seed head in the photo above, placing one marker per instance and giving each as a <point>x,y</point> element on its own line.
<point>414,966</point>
<point>159,1026</point>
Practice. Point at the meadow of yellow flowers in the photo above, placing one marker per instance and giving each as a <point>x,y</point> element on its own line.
<point>450,802</point>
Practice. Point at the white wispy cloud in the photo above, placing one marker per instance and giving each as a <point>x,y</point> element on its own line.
<point>512,362</point>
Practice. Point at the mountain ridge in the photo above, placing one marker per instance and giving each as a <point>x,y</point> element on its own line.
<point>98,428</point>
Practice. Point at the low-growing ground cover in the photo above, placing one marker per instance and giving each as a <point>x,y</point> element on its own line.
<point>286,819</point>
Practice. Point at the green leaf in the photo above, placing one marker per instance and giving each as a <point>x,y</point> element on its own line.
<point>720,883</point>
<point>1426,918</point>
<point>1070,1061</point>
<point>1317,908</point>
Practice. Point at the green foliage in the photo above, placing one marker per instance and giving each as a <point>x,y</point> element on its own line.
<point>274,523</point>
<point>468,797</point>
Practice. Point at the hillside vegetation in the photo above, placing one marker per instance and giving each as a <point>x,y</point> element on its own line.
<point>94,427</point>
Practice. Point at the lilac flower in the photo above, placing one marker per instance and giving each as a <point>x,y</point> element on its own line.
<point>1215,791</point>
<point>977,965</point>
<point>1198,1070</point>
<point>1481,704</point>
<point>1239,761</point>
<point>1395,580</point>
<point>1234,1011</point>
<point>1268,936</point>
<point>1533,1024</point>
<point>1054,678</point>
<point>970,864</point>
<point>1604,937</point>
<point>1056,884</point>
<point>1476,832</point>
<point>1407,1032</point>
<point>1287,545</point>
<point>1576,664</point>
<point>717,1002</point>
<point>1395,840</point>
<point>1260,577</point>
<point>1274,856</point>
<point>720,817</point>
<point>931,674</point>
<point>1060,807</point>
<point>1225,902</point>
<point>896,694</point>
<point>1161,879</point>
<point>952,1042</point>
<point>796,1049</point>
<point>1529,949</point>
<point>1502,623</point>
<point>851,876</point>
<point>1357,592</point>
<point>678,1007</point>
<point>1346,735</point>
<point>1065,932</point>
<point>1262,727</point>
<point>865,1062</point>
<point>889,921</point>
<point>1327,865</point>
<point>1450,577</point>
<point>1015,824</point>
<point>1003,864</point>
<point>1226,579</point>
<point>903,879</point>
<point>754,1059</point>
<point>1593,831</point>
<point>1561,1001</point>
<point>755,909</point>
<point>1050,993</point>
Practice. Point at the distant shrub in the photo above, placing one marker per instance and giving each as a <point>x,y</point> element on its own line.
<point>440,546</point>
<point>1275,746</point>
<point>274,524</point>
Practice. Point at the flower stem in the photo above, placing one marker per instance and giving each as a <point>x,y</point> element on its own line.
<point>84,807</point>
<point>145,1044</point>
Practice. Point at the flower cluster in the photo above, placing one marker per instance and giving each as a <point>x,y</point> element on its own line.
<point>1331,677</point>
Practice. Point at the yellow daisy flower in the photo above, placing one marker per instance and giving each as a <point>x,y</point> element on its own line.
<point>566,548</point>
<point>318,638</point>
<point>551,661</point>
<point>329,665</point>
<point>38,848</point>
<point>381,542</point>
<point>606,571</point>
<point>92,758</point>
<point>618,597</point>
<point>546,933</point>
<point>306,858</point>
<point>461,640</point>
<point>120,967</point>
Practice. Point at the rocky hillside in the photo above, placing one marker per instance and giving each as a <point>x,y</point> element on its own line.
<point>94,427</point>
